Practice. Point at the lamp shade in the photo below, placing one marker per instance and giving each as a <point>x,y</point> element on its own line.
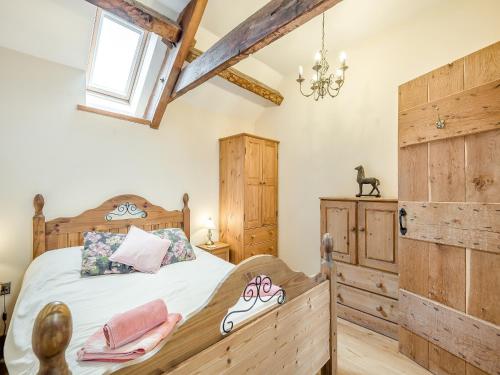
<point>210,223</point>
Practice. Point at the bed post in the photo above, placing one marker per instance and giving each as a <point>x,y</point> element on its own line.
<point>38,226</point>
<point>51,335</point>
<point>328,270</point>
<point>186,213</point>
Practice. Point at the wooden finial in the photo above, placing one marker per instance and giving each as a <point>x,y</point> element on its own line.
<point>186,212</point>
<point>51,335</point>
<point>38,202</point>
<point>328,245</point>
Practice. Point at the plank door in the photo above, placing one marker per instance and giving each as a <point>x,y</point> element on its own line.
<point>377,235</point>
<point>447,257</point>
<point>253,179</point>
<point>269,182</point>
<point>339,219</point>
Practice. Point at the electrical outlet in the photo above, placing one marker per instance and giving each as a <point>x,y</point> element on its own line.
<point>4,288</point>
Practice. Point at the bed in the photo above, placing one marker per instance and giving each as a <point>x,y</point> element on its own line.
<point>220,332</point>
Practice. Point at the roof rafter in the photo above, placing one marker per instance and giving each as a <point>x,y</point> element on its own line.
<point>242,80</point>
<point>189,19</point>
<point>275,19</point>
<point>142,16</point>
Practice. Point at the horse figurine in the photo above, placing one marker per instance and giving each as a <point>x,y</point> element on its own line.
<point>362,180</point>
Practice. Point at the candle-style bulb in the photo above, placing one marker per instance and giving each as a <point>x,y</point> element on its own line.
<point>301,71</point>
<point>343,57</point>
<point>317,57</point>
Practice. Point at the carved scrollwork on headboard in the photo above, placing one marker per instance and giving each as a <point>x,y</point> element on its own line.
<point>126,210</point>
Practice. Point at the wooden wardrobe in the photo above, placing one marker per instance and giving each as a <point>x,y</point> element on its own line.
<point>449,201</point>
<point>248,195</point>
<point>365,247</point>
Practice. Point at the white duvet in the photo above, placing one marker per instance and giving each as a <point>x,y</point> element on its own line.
<point>55,276</point>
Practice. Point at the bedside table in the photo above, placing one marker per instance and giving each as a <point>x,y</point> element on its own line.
<point>219,249</point>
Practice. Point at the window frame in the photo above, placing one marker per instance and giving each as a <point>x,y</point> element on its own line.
<point>136,66</point>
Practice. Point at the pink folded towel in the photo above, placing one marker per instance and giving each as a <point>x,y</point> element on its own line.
<point>266,288</point>
<point>96,348</point>
<point>130,325</point>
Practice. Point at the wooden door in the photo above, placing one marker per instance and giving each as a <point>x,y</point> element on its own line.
<point>339,219</point>
<point>377,235</point>
<point>449,187</point>
<point>253,179</point>
<point>269,182</point>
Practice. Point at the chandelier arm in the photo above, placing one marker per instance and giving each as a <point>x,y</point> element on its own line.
<point>304,94</point>
<point>335,90</point>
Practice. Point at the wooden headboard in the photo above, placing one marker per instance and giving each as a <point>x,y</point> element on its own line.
<point>114,215</point>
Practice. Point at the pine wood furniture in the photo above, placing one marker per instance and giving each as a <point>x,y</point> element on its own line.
<point>248,195</point>
<point>297,337</point>
<point>219,249</point>
<point>365,244</point>
<point>449,188</point>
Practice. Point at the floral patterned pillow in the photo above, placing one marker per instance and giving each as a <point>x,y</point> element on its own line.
<point>97,248</point>
<point>180,250</point>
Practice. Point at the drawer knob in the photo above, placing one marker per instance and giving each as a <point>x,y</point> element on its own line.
<point>271,232</point>
<point>361,229</point>
<point>379,308</point>
<point>252,236</point>
<point>252,254</point>
<point>339,296</point>
<point>379,285</point>
<point>339,274</point>
<point>271,248</point>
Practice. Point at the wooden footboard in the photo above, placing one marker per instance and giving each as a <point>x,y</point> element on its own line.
<point>297,337</point>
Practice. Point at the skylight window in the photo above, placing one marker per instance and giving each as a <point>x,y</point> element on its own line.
<point>116,55</point>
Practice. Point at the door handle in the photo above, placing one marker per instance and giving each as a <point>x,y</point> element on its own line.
<point>402,229</point>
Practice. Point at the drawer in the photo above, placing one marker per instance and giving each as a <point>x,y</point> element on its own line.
<point>375,281</point>
<point>371,303</point>
<point>268,248</point>
<point>259,235</point>
<point>222,253</point>
<point>371,322</point>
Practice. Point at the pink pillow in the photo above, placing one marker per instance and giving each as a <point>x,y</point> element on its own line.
<point>142,250</point>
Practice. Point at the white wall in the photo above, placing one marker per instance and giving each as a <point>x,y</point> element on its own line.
<point>77,159</point>
<point>322,142</point>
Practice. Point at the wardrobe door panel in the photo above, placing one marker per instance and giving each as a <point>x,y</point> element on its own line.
<point>269,163</point>
<point>253,161</point>
<point>268,205</point>
<point>253,206</point>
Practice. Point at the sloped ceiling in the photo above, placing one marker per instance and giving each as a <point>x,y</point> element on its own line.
<point>348,23</point>
<point>60,31</point>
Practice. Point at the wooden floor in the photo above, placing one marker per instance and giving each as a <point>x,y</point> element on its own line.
<point>363,352</point>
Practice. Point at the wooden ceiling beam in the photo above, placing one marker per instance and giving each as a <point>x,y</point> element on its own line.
<point>275,19</point>
<point>242,80</point>
<point>189,19</point>
<point>140,15</point>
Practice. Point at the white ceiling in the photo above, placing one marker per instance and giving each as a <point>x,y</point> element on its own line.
<point>347,24</point>
<point>63,33</point>
<point>60,31</point>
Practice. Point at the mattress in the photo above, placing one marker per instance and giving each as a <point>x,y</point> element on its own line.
<point>55,276</point>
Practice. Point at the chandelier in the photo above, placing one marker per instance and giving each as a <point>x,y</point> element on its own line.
<point>322,83</point>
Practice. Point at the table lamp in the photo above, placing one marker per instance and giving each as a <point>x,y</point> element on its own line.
<point>210,226</point>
